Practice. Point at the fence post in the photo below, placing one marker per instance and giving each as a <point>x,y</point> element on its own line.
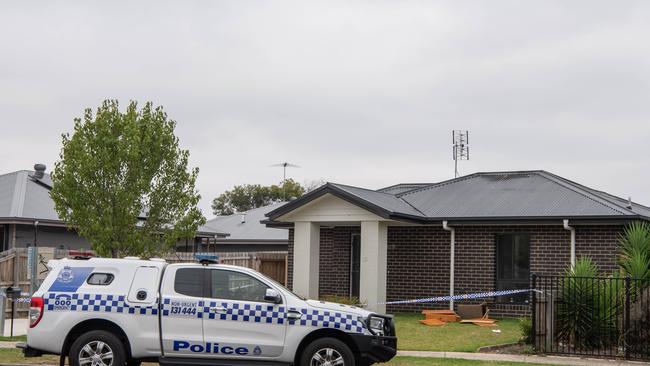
<point>626,326</point>
<point>533,316</point>
<point>3,302</point>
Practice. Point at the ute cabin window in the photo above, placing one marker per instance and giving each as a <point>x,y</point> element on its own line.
<point>513,265</point>
<point>189,282</point>
<point>230,285</point>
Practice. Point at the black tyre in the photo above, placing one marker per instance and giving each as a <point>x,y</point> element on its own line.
<point>97,348</point>
<point>327,351</point>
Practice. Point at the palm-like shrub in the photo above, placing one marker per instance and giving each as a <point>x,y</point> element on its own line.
<point>586,309</point>
<point>634,261</point>
<point>634,256</point>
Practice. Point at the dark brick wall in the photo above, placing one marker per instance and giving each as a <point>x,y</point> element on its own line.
<point>290,260</point>
<point>418,259</point>
<point>418,264</point>
<point>334,270</point>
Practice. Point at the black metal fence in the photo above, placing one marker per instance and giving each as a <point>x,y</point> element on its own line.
<point>591,316</point>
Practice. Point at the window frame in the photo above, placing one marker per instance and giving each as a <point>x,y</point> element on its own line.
<point>208,286</point>
<point>112,278</point>
<point>497,281</point>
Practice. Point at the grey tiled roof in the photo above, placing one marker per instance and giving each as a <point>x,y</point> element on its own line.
<point>511,194</point>
<point>403,187</point>
<point>251,229</point>
<point>491,195</point>
<point>386,201</point>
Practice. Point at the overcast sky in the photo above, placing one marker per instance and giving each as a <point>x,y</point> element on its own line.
<point>361,93</point>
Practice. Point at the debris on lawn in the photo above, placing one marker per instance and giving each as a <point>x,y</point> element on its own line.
<point>432,322</point>
<point>436,318</point>
<point>483,321</point>
<point>439,317</point>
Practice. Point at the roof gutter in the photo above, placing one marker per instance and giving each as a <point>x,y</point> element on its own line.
<point>452,246</point>
<point>573,241</point>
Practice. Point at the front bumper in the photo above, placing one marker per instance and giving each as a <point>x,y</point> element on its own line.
<point>375,348</point>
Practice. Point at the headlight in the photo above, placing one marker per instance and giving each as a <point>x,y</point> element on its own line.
<point>376,324</point>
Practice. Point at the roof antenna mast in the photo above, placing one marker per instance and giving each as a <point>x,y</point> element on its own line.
<point>284,166</point>
<point>460,150</point>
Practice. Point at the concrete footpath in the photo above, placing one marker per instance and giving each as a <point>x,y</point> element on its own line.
<point>547,360</point>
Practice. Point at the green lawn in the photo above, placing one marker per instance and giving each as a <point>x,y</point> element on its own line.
<point>452,337</point>
<point>14,356</point>
<point>14,339</point>
<point>416,361</point>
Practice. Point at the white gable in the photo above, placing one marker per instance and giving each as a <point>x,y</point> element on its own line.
<point>329,208</point>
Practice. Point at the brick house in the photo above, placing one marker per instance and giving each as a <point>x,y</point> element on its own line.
<point>397,242</point>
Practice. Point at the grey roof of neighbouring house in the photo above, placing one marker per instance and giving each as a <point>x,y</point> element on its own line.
<point>531,195</point>
<point>23,197</point>
<point>251,229</point>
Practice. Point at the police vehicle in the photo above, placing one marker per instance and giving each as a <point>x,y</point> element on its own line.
<point>118,312</point>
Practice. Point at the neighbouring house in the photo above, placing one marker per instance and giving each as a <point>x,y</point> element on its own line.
<point>247,233</point>
<point>27,214</point>
<point>476,233</point>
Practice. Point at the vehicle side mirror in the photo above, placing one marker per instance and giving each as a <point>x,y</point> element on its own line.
<point>272,296</point>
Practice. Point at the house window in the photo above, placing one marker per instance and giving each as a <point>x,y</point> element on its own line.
<point>513,265</point>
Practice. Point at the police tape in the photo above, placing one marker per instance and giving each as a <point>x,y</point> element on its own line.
<point>23,298</point>
<point>477,295</point>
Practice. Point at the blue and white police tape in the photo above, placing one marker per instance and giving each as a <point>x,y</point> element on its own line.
<point>477,295</point>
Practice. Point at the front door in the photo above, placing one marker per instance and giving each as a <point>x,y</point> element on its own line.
<point>355,265</point>
<point>240,323</point>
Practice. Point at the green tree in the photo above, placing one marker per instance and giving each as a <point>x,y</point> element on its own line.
<point>249,196</point>
<point>122,181</point>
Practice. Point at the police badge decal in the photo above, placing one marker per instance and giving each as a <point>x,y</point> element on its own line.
<point>66,275</point>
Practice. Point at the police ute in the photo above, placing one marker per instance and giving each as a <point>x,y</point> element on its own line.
<point>98,311</point>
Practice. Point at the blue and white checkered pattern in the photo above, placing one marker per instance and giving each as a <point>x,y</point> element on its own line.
<point>270,314</point>
<point>95,302</point>
<point>478,295</point>
<point>329,319</point>
<point>257,313</point>
<point>241,312</point>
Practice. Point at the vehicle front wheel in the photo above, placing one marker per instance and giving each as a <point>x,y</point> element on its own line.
<point>97,348</point>
<point>327,352</point>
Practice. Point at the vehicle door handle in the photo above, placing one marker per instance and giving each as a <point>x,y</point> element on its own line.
<point>294,315</point>
<point>218,310</point>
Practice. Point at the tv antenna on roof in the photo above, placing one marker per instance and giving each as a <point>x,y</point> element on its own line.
<point>284,166</point>
<point>460,140</point>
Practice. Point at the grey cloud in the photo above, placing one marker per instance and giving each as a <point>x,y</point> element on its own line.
<point>362,93</point>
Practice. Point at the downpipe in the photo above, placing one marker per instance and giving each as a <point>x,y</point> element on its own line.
<point>452,264</point>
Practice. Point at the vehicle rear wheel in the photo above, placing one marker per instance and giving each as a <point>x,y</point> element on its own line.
<point>97,348</point>
<point>327,352</point>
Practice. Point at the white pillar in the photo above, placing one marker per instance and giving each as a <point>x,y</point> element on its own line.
<point>306,243</point>
<point>374,252</point>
